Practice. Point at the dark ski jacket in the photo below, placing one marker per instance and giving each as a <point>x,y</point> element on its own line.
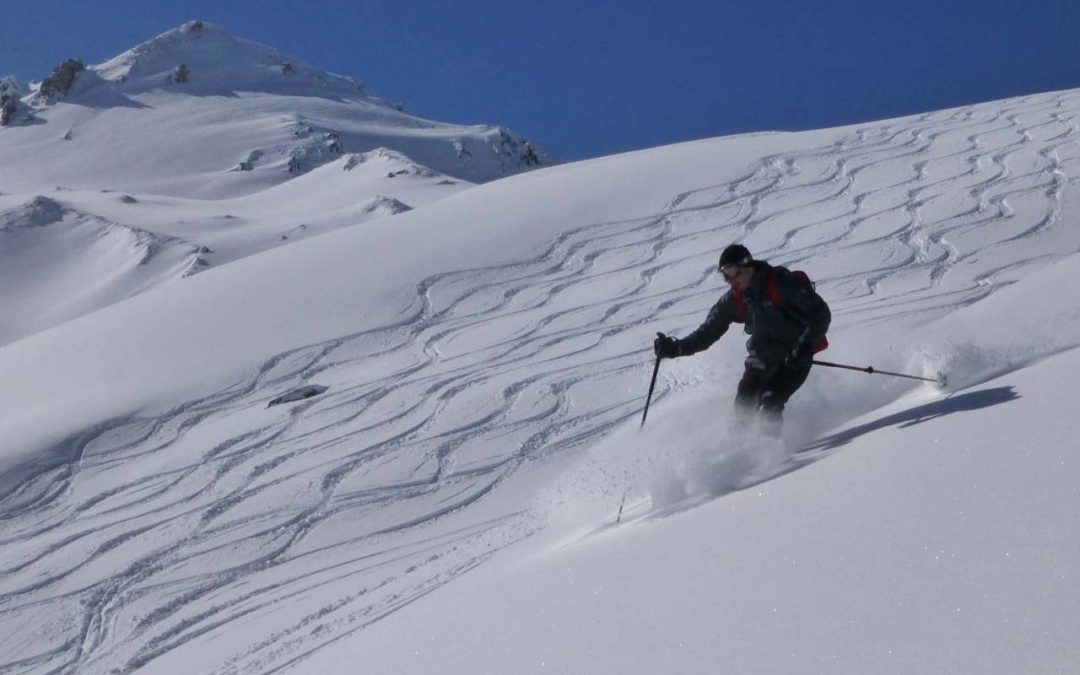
<point>774,331</point>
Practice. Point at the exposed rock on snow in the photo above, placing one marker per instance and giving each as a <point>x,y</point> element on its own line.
<point>384,206</point>
<point>397,163</point>
<point>10,93</point>
<point>38,212</point>
<point>298,394</point>
<point>315,148</point>
<point>61,81</point>
<point>9,84</point>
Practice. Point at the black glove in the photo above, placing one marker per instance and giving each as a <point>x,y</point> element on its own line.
<point>800,355</point>
<point>666,347</point>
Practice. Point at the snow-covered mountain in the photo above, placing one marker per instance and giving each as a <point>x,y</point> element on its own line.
<point>440,492</point>
<point>220,161</point>
<point>243,117</point>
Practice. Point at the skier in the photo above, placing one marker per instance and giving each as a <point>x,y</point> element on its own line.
<point>786,320</point>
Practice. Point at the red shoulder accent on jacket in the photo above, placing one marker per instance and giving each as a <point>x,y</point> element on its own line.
<point>770,288</point>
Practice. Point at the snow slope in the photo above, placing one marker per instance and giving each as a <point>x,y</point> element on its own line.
<point>100,262</point>
<point>254,150</point>
<point>445,505</point>
<point>936,539</point>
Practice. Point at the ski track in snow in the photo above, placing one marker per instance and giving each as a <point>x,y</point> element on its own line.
<point>282,530</point>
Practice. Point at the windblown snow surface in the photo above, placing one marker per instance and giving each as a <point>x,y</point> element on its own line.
<point>447,503</point>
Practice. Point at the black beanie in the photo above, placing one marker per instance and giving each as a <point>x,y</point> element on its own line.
<point>737,255</point>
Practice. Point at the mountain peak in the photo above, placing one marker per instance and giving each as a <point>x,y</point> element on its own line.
<point>208,59</point>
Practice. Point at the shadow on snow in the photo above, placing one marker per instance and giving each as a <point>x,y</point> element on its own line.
<point>974,400</point>
<point>742,480</point>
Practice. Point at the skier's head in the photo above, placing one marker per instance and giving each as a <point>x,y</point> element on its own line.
<point>736,266</point>
<point>735,255</point>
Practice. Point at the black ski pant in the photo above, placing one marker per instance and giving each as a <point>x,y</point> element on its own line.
<point>764,390</point>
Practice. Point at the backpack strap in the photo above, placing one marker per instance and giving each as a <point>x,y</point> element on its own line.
<point>770,288</point>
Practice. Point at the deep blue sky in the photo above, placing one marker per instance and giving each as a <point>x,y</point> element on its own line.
<point>584,78</point>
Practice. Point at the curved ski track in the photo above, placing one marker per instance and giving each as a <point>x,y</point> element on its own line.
<point>277,531</point>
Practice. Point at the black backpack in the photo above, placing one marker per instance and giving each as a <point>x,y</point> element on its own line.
<point>774,295</point>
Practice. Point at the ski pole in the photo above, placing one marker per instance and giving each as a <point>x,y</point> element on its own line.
<point>655,371</point>
<point>648,399</point>
<point>940,380</point>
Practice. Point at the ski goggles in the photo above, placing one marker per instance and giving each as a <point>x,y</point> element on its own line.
<point>731,269</point>
<point>731,272</point>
